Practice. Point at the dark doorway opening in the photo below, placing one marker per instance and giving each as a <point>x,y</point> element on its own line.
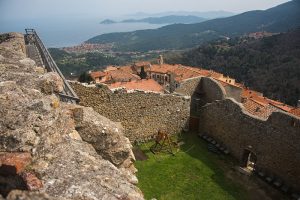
<point>249,160</point>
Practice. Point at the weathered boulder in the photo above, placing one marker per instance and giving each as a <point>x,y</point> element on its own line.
<point>106,136</point>
<point>63,165</point>
<point>51,83</point>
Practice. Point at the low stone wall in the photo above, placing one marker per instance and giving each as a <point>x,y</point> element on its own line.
<point>275,141</point>
<point>141,114</point>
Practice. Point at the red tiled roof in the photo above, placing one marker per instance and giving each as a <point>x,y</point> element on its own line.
<point>120,76</point>
<point>144,84</point>
<point>255,108</point>
<point>98,74</point>
<point>295,111</point>
<point>280,105</point>
<point>163,69</point>
<point>110,68</point>
<point>141,64</point>
<point>127,69</point>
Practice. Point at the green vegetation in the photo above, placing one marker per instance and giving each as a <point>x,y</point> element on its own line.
<point>193,173</point>
<point>85,78</point>
<point>179,36</point>
<point>75,64</point>
<point>270,65</point>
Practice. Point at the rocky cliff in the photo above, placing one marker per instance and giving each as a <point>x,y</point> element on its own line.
<point>55,150</point>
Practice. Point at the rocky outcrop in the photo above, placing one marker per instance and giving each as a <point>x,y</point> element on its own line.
<point>75,152</point>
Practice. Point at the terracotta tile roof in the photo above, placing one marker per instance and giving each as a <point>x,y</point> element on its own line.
<point>163,69</point>
<point>295,111</point>
<point>180,72</point>
<point>98,74</point>
<point>183,73</point>
<point>256,108</point>
<point>121,76</point>
<point>144,84</point>
<point>127,69</point>
<point>141,64</point>
<point>247,93</point>
<point>215,75</point>
<point>280,105</point>
<point>110,68</point>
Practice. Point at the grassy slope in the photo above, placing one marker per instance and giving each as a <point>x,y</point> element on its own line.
<point>193,173</point>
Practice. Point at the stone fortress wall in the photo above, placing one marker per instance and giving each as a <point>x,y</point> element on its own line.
<point>274,141</point>
<point>141,114</point>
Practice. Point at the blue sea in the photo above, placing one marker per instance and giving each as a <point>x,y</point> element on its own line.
<point>63,33</point>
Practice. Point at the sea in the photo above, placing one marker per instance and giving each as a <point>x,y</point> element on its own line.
<point>69,32</point>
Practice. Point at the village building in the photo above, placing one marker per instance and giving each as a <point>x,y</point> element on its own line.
<point>113,75</point>
<point>146,85</point>
<point>167,78</point>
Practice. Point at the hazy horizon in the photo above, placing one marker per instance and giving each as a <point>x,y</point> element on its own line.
<point>71,22</point>
<point>33,9</point>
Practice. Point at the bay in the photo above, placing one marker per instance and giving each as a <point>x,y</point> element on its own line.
<point>69,32</point>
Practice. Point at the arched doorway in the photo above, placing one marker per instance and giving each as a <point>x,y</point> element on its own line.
<point>249,160</point>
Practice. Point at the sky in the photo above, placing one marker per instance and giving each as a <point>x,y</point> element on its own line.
<point>33,9</point>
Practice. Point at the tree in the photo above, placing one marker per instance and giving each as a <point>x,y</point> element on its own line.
<point>143,74</point>
<point>85,78</point>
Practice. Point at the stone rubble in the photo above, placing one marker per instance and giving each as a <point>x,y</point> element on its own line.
<point>76,153</point>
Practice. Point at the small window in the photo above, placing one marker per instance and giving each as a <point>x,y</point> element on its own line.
<point>229,81</point>
<point>166,78</point>
<point>293,123</point>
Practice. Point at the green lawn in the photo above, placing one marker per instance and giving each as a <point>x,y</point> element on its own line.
<point>193,173</point>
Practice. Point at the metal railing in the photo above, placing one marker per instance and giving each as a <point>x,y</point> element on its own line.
<point>68,94</point>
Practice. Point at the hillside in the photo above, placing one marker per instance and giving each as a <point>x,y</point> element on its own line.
<point>270,65</point>
<point>72,64</point>
<point>278,19</point>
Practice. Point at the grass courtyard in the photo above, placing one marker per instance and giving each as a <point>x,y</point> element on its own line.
<point>193,173</point>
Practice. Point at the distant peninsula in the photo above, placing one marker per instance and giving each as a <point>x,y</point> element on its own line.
<point>108,21</point>
<point>170,19</point>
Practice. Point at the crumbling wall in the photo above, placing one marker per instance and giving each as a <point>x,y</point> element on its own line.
<point>187,87</point>
<point>275,141</point>
<point>141,114</point>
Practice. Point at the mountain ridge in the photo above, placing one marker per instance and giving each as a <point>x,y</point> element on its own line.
<point>280,18</point>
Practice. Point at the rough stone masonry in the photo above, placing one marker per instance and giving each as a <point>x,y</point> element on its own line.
<point>275,141</point>
<point>141,114</point>
<point>71,152</point>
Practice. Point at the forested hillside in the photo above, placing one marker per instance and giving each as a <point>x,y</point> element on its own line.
<point>270,65</point>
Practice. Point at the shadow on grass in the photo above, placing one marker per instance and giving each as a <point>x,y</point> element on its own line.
<point>218,163</point>
<point>193,173</point>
